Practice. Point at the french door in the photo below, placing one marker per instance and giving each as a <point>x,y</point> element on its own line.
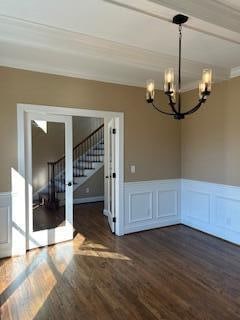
<point>49,177</point>
<point>111,174</point>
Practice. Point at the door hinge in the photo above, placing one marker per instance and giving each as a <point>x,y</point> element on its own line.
<point>114,219</point>
<point>114,131</point>
<point>114,175</point>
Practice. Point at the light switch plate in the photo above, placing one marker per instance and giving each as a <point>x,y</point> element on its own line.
<point>132,168</point>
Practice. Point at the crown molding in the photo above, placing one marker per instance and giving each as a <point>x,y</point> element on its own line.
<point>32,38</point>
<point>10,63</point>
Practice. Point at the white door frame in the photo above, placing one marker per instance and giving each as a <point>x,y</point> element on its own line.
<point>22,109</point>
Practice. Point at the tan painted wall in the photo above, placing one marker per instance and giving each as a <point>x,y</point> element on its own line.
<point>95,184</point>
<point>83,126</point>
<point>46,148</point>
<point>151,140</point>
<point>211,137</point>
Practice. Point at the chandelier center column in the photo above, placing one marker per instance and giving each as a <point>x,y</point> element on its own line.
<point>179,67</point>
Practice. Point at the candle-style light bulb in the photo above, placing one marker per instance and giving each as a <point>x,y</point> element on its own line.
<point>207,79</point>
<point>173,95</point>
<point>150,90</point>
<point>201,89</point>
<point>169,80</point>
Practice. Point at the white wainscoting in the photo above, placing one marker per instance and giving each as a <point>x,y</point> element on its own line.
<point>151,204</point>
<point>5,225</point>
<point>212,208</point>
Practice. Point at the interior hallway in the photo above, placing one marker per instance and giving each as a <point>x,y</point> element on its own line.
<point>169,273</point>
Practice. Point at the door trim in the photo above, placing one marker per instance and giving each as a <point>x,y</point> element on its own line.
<point>22,109</point>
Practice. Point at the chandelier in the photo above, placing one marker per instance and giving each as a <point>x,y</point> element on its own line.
<point>173,95</point>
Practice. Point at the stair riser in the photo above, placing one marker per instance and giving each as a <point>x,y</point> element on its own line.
<point>93,159</point>
<point>84,168</point>
<point>96,152</point>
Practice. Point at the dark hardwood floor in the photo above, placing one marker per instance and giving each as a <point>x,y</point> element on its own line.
<point>44,218</point>
<point>169,273</point>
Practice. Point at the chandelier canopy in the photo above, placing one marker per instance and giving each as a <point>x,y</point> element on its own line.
<point>174,96</point>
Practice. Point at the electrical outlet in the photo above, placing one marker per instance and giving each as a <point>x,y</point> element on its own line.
<point>87,190</point>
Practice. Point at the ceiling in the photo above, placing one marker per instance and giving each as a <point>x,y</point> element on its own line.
<point>125,41</point>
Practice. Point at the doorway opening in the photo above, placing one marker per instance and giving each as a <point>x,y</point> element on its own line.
<point>69,157</point>
<point>48,168</point>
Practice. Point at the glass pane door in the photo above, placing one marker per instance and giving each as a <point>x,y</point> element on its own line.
<point>50,176</point>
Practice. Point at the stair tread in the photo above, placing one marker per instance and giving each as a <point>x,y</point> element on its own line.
<point>85,168</point>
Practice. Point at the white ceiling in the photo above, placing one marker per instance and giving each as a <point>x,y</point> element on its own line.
<point>124,41</point>
<point>234,4</point>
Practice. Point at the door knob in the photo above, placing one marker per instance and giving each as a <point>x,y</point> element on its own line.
<point>69,184</point>
<point>107,177</point>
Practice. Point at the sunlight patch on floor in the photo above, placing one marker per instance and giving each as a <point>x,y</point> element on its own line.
<point>103,254</point>
<point>28,291</point>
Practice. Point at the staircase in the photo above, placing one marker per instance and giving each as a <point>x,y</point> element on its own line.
<point>88,158</point>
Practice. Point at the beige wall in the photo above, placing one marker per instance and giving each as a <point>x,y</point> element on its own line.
<point>151,140</point>
<point>95,184</point>
<point>84,126</point>
<point>210,139</point>
<point>46,148</point>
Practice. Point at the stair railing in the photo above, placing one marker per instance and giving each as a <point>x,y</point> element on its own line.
<point>85,153</point>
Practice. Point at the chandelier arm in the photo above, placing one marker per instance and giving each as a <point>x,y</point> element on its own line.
<point>172,105</point>
<point>195,108</point>
<point>169,114</point>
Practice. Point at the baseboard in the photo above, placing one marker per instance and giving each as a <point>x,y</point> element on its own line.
<point>5,253</point>
<point>210,232</point>
<point>152,225</point>
<point>88,199</point>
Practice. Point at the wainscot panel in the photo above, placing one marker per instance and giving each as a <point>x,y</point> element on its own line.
<point>151,204</point>
<point>212,208</point>
<point>5,225</point>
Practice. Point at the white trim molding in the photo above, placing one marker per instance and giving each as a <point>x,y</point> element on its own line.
<point>151,204</point>
<point>235,72</point>
<point>88,199</point>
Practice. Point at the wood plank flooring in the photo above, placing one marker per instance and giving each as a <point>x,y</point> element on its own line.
<point>44,218</point>
<point>170,273</point>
